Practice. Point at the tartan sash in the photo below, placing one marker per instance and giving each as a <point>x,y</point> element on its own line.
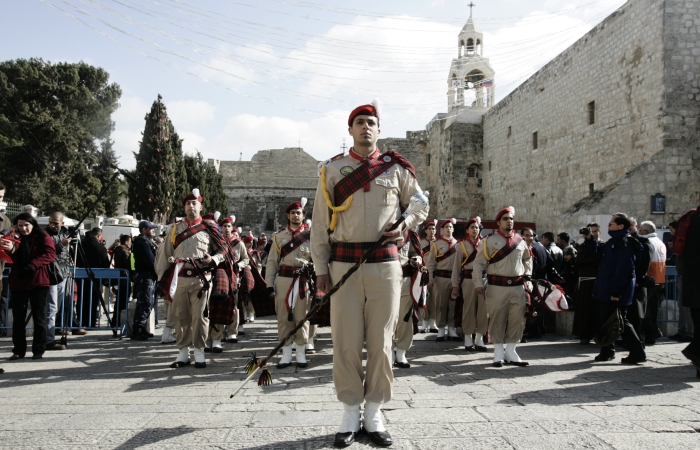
<point>189,232</point>
<point>445,255</point>
<point>426,248</point>
<point>366,173</point>
<point>511,245</point>
<point>470,258</point>
<point>297,240</point>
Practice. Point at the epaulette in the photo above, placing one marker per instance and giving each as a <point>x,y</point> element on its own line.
<point>328,161</point>
<point>338,156</point>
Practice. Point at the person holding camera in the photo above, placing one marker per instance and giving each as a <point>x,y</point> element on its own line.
<point>585,306</point>
<point>32,251</point>
<point>614,286</point>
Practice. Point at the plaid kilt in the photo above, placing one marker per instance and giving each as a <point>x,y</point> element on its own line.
<point>498,280</point>
<point>443,273</point>
<point>263,304</point>
<point>221,285</point>
<point>351,252</point>
<point>221,310</point>
<point>247,280</point>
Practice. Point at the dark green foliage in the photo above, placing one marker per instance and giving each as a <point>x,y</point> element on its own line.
<point>55,126</point>
<point>202,175</point>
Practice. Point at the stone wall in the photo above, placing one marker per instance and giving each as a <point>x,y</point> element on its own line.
<point>259,190</point>
<point>619,65</point>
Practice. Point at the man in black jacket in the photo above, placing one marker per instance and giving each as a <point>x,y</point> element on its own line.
<point>637,311</point>
<point>91,254</point>
<point>144,251</point>
<point>689,268</point>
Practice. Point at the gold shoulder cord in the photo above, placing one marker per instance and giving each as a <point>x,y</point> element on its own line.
<point>274,241</point>
<point>486,252</point>
<point>335,209</point>
<point>465,253</point>
<point>173,234</point>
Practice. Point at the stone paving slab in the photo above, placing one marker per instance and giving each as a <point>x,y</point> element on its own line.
<point>103,393</point>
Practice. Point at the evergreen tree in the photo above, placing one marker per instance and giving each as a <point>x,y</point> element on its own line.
<point>159,170</point>
<point>202,175</point>
<point>104,170</point>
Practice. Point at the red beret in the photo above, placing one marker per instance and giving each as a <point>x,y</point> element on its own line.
<point>476,220</point>
<point>296,205</point>
<point>194,195</point>
<point>366,110</point>
<point>507,210</point>
<point>247,239</point>
<point>453,221</point>
<point>208,216</point>
<point>229,219</point>
<point>430,223</point>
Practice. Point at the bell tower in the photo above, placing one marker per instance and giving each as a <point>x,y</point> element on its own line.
<point>470,83</point>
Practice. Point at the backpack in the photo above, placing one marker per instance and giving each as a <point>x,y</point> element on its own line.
<point>679,239</point>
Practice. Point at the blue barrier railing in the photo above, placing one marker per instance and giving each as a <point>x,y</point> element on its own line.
<point>669,306</point>
<point>85,300</point>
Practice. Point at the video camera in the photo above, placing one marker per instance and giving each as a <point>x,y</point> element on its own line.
<point>585,231</point>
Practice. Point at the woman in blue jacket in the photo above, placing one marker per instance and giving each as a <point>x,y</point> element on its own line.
<point>614,286</point>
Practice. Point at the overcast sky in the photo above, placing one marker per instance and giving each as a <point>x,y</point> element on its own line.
<point>242,75</point>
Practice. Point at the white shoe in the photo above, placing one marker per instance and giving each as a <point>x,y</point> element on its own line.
<point>199,359</point>
<point>252,317</point>
<point>452,332</point>
<point>310,345</point>
<point>373,417</point>
<point>294,345</point>
<point>479,341</point>
<point>286,358</point>
<point>432,324</point>
<point>301,356</point>
<point>468,342</point>
<point>511,355</point>
<point>441,333</point>
<point>421,323</point>
<point>498,353</point>
<point>216,344</point>
<point>350,423</point>
<point>183,356</point>
<point>401,356</point>
<point>167,336</point>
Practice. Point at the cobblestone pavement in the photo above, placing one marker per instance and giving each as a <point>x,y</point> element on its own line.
<point>103,393</point>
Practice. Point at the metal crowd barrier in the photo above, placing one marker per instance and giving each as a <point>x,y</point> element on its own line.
<point>670,305</point>
<point>85,301</point>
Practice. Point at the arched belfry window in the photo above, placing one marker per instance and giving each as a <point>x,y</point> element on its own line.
<point>470,46</point>
<point>473,89</point>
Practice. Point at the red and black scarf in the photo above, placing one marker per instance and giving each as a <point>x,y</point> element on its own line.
<point>512,243</point>
<point>370,169</point>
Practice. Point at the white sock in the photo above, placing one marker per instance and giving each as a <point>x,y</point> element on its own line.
<point>301,354</point>
<point>441,332</point>
<point>498,352</point>
<point>373,417</point>
<point>452,331</point>
<point>286,355</point>
<point>401,356</point>
<point>199,355</point>
<point>184,355</point>
<point>350,423</point>
<point>468,342</point>
<point>479,341</point>
<point>310,344</point>
<point>432,324</point>
<point>510,354</point>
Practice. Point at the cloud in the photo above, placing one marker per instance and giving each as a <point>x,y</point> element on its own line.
<point>190,113</point>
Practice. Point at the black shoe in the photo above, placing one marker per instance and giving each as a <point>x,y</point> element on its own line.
<point>440,339</point>
<point>677,337</point>
<point>207,349</point>
<point>37,356</point>
<point>401,365</point>
<point>605,357</point>
<point>55,346</point>
<point>344,439</point>
<point>241,333</point>
<point>649,341</point>
<point>283,366</point>
<point>302,365</point>
<point>687,352</point>
<point>433,330</point>
<point>497,364</point>
<point>216,350</point>
<point>423,330</point>
<point>633,360</point>
<point>310,352</point>
<point>584,341</point>
<point>469,348</point>
<point>232,340</point>
<point>516,363</point>
<point>178,364</point>
<point>480,348</point>
<point>523,340</point>
<point>456,338</point>
<point>381,438</point>
<point>15,357</point>
<point>200,365</point>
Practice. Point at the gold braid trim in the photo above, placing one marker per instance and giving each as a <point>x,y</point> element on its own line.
<point>327,196</point>
<point>465,253</point>
<point>486,252</point>
<point>173,234</point>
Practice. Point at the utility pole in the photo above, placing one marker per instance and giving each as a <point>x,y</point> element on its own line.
<point>343,147</point>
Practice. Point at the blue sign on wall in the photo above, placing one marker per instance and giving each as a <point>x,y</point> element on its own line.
<point>658,204</point>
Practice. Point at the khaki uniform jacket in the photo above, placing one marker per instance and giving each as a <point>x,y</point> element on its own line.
<point>459,257</point>
<point>274,262</point>
<point>369,212</point>
<point>242,259</point>
<point>517,263</point>
<point>194,247</point>
<point>431,258</point>
<point>424,243</point>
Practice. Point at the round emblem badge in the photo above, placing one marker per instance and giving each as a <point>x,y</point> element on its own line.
<point>346,170</point>
<point>387,159</point>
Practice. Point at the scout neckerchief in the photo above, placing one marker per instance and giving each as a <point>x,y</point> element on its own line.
<point>469,258</point>
<point>512,241</point>
<point>370,169</point>
<point>192,229</point>
<point>427,247</point>
<point>299,236</point>
<point>450,249</point>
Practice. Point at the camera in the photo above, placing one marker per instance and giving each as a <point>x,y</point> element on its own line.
<point>585,231</point>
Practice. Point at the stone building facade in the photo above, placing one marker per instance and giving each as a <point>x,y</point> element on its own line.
<point>259,190</point>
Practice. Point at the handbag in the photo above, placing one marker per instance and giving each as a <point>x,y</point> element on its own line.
<point>55,275</point>
<point>610,330</point>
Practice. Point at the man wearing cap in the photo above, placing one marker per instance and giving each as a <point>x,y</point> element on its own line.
<point>144,250</point>
<point>192,248</point>
<point>287,278</point>
<point>359,196</point>
<point>439,261</point>
<point>507,263</point>
<point>474,319</point>
<point>428,314</point>
<point>240,261</point>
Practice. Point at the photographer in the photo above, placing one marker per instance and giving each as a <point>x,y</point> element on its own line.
<point>29,283</point>
<point>585,306</point>
<point>91,254</point>
<point>144,251</point>
<point>57,304</point>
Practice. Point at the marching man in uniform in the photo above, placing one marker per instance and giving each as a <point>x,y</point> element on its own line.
<point>216,330</point>
<point>439,261</point>
<point>507,263</point>
<point>192,248</point>
<point>474,319</point>
<point>287,276</point>
<point>359,197</point>
<point>412,292</point>
<point>428,314</point>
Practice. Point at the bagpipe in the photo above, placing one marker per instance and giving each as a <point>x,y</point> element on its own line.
<point>545,295</point>
<point>12,237</point>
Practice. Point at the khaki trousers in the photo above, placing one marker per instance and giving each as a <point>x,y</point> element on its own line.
<point>191,326</point>
<point>506,308</point>
<point>442,288</point>
<point>403,337</point>
<point>429,312</point>
<point>312,331</point>
<point>169,313</point>
<point>474,317</point>
<point>284,325</point>
<point>364,310</point>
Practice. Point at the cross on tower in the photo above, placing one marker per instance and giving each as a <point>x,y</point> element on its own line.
<point>471,5</point>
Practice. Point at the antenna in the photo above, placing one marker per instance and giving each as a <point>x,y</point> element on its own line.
<point>343,147</point>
